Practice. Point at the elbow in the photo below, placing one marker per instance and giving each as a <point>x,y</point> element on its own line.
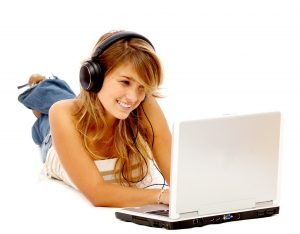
<point>97,202</point>
<point>98,197</point>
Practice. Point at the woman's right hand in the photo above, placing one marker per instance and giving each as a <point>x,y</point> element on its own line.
<point>164,197</point>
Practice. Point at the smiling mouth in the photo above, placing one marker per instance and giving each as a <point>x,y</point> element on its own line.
<point>124,105</point>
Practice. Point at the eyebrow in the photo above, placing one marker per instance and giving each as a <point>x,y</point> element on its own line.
<point>128,77</point>
<point>131,79</point>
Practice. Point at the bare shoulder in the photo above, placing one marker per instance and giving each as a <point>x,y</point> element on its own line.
<point>61,115</point>
<point>153,109</point>
<point>64,106</point>
<point>155,114</point>
<point>64,109</point>
<point>151,105</point>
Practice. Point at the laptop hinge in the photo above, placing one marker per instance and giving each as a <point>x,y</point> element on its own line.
<point>264,203</point>
<point>188,214</point>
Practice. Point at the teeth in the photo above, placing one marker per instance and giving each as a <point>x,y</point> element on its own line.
<point>123,104</point>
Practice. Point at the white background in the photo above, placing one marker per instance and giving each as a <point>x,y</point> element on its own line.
<point>219,57</point>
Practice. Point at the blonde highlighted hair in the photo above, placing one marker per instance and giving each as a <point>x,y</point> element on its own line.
<point>131,138</point>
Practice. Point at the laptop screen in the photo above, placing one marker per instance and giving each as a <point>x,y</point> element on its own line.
<point>227,163</point>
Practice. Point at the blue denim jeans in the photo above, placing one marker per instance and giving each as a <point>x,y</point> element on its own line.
<point>40,98</point>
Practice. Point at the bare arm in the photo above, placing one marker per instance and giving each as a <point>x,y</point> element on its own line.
<point>162,136</point>
<point>83,171</point>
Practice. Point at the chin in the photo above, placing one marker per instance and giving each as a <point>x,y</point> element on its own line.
<point>122,116</point>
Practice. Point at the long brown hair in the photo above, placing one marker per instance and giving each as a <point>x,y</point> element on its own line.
<point>131,138</point>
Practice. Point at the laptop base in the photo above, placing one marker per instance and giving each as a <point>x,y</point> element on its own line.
<point>198,222</point>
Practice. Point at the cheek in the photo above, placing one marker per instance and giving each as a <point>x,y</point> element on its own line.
<point>107,91</point>
<point>103,98</point>
<point>100,95</point>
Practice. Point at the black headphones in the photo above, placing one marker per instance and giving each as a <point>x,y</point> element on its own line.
<point>91,73</point>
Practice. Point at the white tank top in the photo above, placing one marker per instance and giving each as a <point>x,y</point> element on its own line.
<point>54,169</point>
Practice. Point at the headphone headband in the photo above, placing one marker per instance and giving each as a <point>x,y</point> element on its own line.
<point>104,45</point>
<point>91,74</point>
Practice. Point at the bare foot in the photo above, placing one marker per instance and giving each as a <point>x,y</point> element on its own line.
<point>35,79</point>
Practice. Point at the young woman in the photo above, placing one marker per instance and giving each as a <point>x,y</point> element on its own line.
<point>106,141</point>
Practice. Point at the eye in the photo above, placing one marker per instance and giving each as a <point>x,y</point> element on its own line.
<point>125,82</point>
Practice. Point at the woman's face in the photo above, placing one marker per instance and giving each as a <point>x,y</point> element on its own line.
<point>121,92</point>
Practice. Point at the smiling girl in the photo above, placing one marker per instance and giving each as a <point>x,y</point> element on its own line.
<point>108,141</point>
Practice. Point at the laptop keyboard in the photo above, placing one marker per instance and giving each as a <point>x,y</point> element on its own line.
<point>159,212</point>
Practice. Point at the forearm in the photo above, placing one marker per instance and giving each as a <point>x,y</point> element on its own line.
<point>110,195</point>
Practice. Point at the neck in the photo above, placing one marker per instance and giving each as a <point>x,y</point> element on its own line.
<point>111,121</point>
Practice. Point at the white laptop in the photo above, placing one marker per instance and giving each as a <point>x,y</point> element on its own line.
<point>222,169</point>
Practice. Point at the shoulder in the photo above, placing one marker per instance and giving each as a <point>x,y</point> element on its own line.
<point>64,108</point>
<point>62,113</point>
<point>151,107</point>
<point>154,114</point>
<point>150,103</point>
<point>68,105</point>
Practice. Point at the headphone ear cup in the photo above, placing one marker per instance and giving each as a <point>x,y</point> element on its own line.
<point>91,76</point>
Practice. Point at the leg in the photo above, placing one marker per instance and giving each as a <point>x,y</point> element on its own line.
<point>34,80</point>
<point>42,96</point>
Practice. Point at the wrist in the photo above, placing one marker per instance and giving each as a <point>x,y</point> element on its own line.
<point>159,196</point>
